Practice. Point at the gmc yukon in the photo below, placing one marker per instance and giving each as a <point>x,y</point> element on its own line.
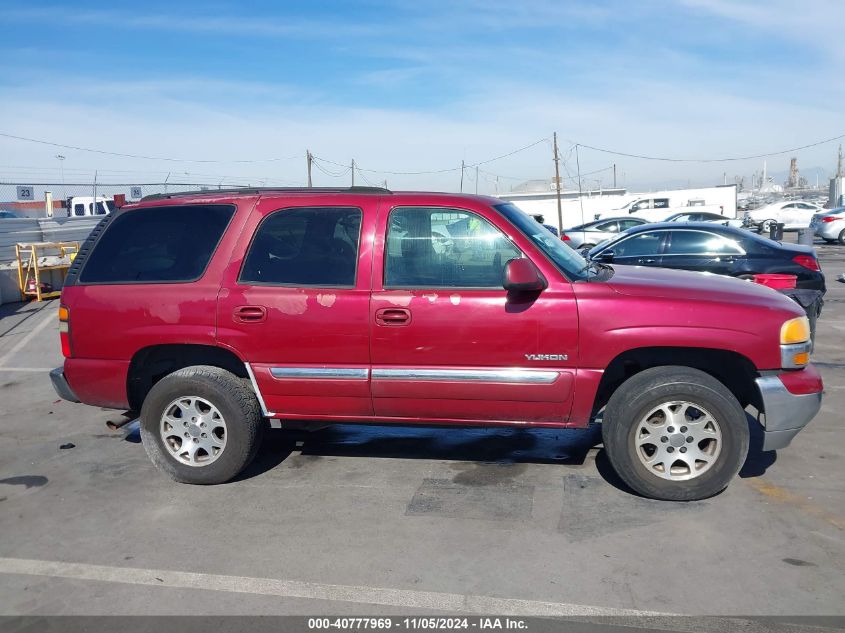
<point>213,313</point>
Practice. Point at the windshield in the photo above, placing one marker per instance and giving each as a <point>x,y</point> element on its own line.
<point>567,260</point>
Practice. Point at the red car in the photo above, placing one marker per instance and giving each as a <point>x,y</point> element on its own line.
<point>213,312</point>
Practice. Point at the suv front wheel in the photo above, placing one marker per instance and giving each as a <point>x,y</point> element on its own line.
<point>675,433</point>
<point>201,425</point>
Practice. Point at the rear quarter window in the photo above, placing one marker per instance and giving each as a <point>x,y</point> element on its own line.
<point>157,245</point>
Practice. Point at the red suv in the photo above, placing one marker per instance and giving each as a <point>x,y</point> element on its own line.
<point>213,312</point>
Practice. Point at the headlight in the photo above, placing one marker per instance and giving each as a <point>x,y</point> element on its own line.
<point>795,345</point>
<point>795,330</point>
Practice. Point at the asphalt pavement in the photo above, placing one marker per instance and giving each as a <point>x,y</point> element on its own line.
<point>372,520</point>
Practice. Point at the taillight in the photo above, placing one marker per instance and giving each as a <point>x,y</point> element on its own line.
<point>564,237</point>
<point>829,218</point>
<point>807,261</point>
<point>64,330</point>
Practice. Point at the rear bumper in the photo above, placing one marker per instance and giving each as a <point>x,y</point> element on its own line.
<point>790,400</point>
<point>57,377</point>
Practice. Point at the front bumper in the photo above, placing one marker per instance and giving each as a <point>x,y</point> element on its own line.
<point>788,408</point>
<point>57,376</point>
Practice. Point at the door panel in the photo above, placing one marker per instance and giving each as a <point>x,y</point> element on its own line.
<point>465,353</point>
<point>295,306</point>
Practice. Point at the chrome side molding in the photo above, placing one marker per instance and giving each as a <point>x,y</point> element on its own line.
<point>513,376</point>
<point>333,373</point>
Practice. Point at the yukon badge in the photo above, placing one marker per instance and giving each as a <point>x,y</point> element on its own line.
<point>546,357</point>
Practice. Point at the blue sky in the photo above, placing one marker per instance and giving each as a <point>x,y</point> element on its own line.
<point>419,85</point>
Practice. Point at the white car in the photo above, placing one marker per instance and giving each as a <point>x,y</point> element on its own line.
<point>830,225</point>
<point>793,214</point>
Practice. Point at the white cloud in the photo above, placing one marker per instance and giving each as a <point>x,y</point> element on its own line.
<point>487,96</point>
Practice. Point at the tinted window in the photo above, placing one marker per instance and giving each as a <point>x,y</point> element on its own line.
<point>609,227</point>
<point>157,244</point>
<point>445,248</point>
<point>79,209</point>
<point>640,244</point>
<point>627,224</point>
<point>699,242</point>
<point>315,246</point>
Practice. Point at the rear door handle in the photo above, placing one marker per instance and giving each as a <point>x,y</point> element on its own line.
<point>393,316</point>
<point>647,260</point>
<point>250,314</point>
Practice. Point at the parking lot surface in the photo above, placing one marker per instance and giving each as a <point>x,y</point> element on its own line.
<point>369,520</point>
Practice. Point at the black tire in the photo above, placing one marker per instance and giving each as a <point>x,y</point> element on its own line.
<point>841,238</point>
<point>643,392</point>
<point>235,401</point>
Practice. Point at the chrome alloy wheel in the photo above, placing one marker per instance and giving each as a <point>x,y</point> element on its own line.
<point>678,440</point>
<point>193,430</point>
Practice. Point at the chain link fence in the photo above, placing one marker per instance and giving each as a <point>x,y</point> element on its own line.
<point>27,199</point>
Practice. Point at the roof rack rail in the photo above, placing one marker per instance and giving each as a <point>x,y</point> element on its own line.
<point>260,190</point>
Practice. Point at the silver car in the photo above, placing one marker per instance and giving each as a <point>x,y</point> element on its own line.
<point>589,234</point>
<point>830,225</point>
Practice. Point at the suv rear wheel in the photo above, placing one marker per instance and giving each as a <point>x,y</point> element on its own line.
<point>201,425</point>
<point>675,433</point>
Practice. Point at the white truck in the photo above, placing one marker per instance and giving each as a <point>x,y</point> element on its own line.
<point>659,205</point>
<point>82,206</point>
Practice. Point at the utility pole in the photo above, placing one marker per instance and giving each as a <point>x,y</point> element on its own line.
<point>463,166</point>
<point>557,184</point>
<point>614,175</point>
<point>839,173</point>
<point>476,180</point>
<point>580,193</point>
<point>353,172</point>
<point>309,158</point>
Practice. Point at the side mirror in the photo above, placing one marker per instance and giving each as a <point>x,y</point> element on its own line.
<point>521,275</point>
<point>605,256</point>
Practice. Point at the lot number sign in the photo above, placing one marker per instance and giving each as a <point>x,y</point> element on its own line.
<point>26,192</point>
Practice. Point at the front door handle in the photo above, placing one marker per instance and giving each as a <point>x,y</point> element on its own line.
<point>393,316</point>
<point>647,260</point>
<point>250,314</point>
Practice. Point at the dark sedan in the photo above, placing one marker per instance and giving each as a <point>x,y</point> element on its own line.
<point>709,247</point>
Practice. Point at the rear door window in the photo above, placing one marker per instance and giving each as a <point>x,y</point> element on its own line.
<point>639,244</point>
<point>699,243</point>
<point>624,225</point>
<point>157,244</point>
<point>310,246</point>
<point>607,227</point>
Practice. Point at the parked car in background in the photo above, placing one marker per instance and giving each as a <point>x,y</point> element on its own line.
<point>793,214</point>
<point>7,215</point>
<point>595,232</point>
<point>704,216</point>
<point>712,248</point>
<point>830,226</point>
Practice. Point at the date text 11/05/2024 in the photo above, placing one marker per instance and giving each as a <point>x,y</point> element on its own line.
<point>417,623</point>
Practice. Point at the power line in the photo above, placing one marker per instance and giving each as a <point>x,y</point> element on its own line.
<point>436,171</point>
<point>162,158</point>
<point>317,161</point>
<point>710,160</point>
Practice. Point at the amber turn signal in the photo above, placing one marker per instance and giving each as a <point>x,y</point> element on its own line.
<point>795,330</point>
